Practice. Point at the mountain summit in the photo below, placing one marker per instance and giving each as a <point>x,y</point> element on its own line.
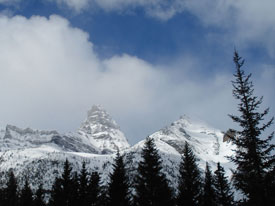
<point>102,131</point>
<point>206,142</point>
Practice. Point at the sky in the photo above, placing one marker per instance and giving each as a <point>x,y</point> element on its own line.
<point>147,62</point>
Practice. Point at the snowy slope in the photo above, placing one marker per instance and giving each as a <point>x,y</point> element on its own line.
<point>40,154</point>
<point>16,138</point>
<point>206,142</point>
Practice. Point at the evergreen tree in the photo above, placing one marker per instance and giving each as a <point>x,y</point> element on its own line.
<point>209,196</point>
<point>62,188</point>
<point>74,199</point>
<point>83,186</point>
<point>26,198</point>
<point>56,193</point>
<point>118,192</point>
<point>253,154</point>
<point>222,188</point>
<point>270,186</point>
<point>39,195</point>
<point>151,184</point>
<point>2,195</point>
<point>94,190</point>
<point>10,192</point>
<point>2,192</point>
<point>190,179</point>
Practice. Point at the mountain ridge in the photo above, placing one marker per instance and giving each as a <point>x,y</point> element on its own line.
<point>40,154</point>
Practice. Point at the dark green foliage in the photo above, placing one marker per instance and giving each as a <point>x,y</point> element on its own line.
<point>74,199</point>
<point>83,186</point>
<point>118,192</point>
<point>152,187</point>
<point>10,193</point>
<point>253,154</point>
<point>224,193</point>
<point>39,195</point>
<point>190,179</point>
<point>26,195</point>
<point>94,190</point>
<point>62,193</point>
<point>270,186</point>
<point>209,195</point>
<point>2,195</point>
<point>56,193</point>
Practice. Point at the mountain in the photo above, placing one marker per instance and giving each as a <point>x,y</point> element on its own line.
<point>102,131</point>
<point>40,154</point>
<point>206,142</point>
<point>13,138</point>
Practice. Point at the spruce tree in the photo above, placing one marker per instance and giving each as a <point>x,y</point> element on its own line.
<point>74,199</point>
<point>83,186</point>
<point>151,187</point>
<point>209,195</point>
<point>39,196</point>
<point>61,194</point>
<point>94,190</point>
<point>190,179</point>
<point>2,195</point>
<point>10,192</point>
<point>253,154</point>
<point>223,190</point>
<point>118,191</point>
<point>270,186</point>
<point>26,195</point>
<point>56,193</point>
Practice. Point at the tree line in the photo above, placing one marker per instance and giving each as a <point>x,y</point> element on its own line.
<point>253,179</point>
<point>151,187</point>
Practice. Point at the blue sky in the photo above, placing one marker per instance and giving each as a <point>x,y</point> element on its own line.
<point>146,62</point>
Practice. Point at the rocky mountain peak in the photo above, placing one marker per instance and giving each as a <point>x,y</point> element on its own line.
<point>98,116</point>
<point>102,131</point>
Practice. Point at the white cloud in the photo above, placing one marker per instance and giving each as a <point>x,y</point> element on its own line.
<point>50,75</point>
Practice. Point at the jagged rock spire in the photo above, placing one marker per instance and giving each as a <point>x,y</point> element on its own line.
<point>102,131</point>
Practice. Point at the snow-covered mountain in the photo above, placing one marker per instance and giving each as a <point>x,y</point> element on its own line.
<point>102,131</point>
<point>40,154</point>
<point>207,143</point>
<point>13,138</point>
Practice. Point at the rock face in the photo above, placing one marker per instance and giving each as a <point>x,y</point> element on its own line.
<point>102,131</point>
<point>40,154</point>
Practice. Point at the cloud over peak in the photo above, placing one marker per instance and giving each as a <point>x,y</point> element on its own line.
<point>50,75</point>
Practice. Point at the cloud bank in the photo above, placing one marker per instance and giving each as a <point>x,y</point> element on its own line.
<point>50,76</point>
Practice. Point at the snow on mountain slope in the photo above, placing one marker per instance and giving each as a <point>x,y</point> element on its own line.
<point>206,142</point>
<point>16,138</point>
<point>42,164</point>
<point>99,133</point>
<point>102,131</point>
<point>40,155</point>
